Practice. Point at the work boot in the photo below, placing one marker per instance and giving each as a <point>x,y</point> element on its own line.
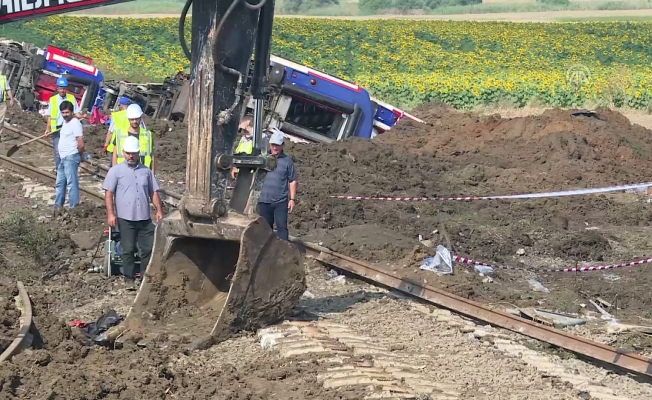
<point>130,284</point>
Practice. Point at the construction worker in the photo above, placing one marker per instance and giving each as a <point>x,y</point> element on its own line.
<point>5,91</point>
<point>55,120</point>
<point>118,118</point>
<point>129,186</point>
<point>279,191</point>
<point>71,150</point>
<point>134,116</point>
<point>246,144</point>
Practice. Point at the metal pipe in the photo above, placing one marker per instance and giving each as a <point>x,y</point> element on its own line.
<point>258,125</point>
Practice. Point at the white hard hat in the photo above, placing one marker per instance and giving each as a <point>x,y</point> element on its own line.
<point>277,138</point>
<point>134,111</point>
<point>131,145</point>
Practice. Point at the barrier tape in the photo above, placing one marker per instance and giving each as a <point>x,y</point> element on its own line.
<point>469,261</point>
<point>575,192</point>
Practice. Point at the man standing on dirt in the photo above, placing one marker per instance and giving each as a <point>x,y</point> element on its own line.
<point>71,150</point>
<point>135,129</point>
<point>129,187</point>
<point>55,119</point>
<point>118,118</point>
<point>5,91</point>
<point>279,191</point>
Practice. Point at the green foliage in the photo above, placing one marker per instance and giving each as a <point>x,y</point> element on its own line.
<point>298,6</point>
<point>30,235</point>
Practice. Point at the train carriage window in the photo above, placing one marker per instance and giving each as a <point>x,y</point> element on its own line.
<point>315,117</point>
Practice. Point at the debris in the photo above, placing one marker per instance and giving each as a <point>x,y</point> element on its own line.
<point>483,269</point>
<point>487,279</point>
<point>532,314</point>
<point>617,327</point>
<point>520,252</point>
<point>441,263</point>
<point>537,286</point>
<point>560,320</point>
<point>605,314</point>
<point>603,303</point>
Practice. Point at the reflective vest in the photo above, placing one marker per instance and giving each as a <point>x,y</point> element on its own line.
<point>145,139</point>
<point>120,121</point>
<point>3,86</point>
<point>245,146</point>
<point>54,108</point>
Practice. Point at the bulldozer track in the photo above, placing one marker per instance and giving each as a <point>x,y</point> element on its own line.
<point>25,306</point>
<point>379,276</point>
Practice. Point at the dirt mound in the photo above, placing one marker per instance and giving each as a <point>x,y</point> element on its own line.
<point>9,314</point>
<point>554,150</point>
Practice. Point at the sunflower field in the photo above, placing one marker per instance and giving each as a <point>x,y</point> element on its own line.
<point>405,62</point>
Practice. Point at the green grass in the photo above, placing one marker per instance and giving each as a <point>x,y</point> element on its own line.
<point>539,7</point>
<point>138,7</point>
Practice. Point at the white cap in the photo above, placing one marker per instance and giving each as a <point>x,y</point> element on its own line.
<point>131,145</point>
<point>277,138</point>
<point>134,111</point>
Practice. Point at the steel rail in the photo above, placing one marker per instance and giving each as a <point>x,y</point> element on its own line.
<point>25,307</point>
<point>619,358</point>
<point>91,162</point>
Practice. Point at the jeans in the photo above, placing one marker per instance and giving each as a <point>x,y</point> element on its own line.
<point>132,233</point>
<point>55,143</point>
<point>276,212</point>
<point>67,177</point>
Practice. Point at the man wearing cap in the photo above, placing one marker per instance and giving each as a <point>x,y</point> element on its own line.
<point>136,129</point>
<point>55,119</point>
<point>5,92</point>
<point>118,118</point>
<point>279,191</point>
<point>129,187</point>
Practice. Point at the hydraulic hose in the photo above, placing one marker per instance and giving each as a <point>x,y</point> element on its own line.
<point>182,28</point>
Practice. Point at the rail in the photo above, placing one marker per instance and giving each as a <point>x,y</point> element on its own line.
<point>36,173</point>
<point>25,307</point>
<point>380,276</point>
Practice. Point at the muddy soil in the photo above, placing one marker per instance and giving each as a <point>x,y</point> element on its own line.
<point>9,313</point>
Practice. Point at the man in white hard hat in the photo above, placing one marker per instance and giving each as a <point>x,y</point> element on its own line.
<point>129,187</point>
<point>279,191</point>
<point>137,130</point>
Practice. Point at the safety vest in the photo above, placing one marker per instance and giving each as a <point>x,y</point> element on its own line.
<point>54,108</point>
<point>120,121</point>
<point>245,146</point>
<point>3,85</point>
<point>145,139</point>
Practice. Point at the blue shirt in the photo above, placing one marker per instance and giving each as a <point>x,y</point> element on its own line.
<point>276,185</point>
<point>133,189</point>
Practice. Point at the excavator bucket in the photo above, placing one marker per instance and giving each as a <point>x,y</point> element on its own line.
<point>207,281</point>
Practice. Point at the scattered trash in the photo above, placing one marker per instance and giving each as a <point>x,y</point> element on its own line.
<point>611,277</point>
<point>520,252</point>
<point>487,279</point>
<point>560,320</point>
<point>537,286</point>
<point>483,270</point>
<point>605,314</point>
<point>441,263</point>
<point>96,331</point>
<point>338,279</point>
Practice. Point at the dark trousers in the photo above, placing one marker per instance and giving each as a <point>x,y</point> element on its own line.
<point>132,233</point>
<point>276,213</point>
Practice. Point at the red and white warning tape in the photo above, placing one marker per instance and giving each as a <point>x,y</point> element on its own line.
<point>469,261</point>
<point>575,192</point>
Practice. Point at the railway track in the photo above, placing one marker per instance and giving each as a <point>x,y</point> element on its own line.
<point>630,362</point>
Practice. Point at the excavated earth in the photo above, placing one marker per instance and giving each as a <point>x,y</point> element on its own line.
<point>455,154</point>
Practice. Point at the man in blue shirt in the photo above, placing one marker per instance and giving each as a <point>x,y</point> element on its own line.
<point>278,194</point>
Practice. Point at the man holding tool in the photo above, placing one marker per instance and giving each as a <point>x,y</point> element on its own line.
<point>55,119</point>
<point>5,91</point>
<point>129,186</point>
<point>71,150</point>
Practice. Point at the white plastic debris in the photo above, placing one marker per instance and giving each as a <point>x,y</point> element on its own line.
<point>483,269</point>
<point>441,263</point>
<point>537,286</point>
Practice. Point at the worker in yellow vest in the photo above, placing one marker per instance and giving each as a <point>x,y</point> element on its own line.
<point>5,91</point>
<point>118,119</point>
<point>246,144</point>
<point>55,120</point>
<point>144,136</point>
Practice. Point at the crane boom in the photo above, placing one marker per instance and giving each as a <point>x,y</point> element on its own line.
<point>16,10</point>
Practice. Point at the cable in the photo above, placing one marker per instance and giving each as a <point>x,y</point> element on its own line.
<point>182,28</point>
<point>255,6</point>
